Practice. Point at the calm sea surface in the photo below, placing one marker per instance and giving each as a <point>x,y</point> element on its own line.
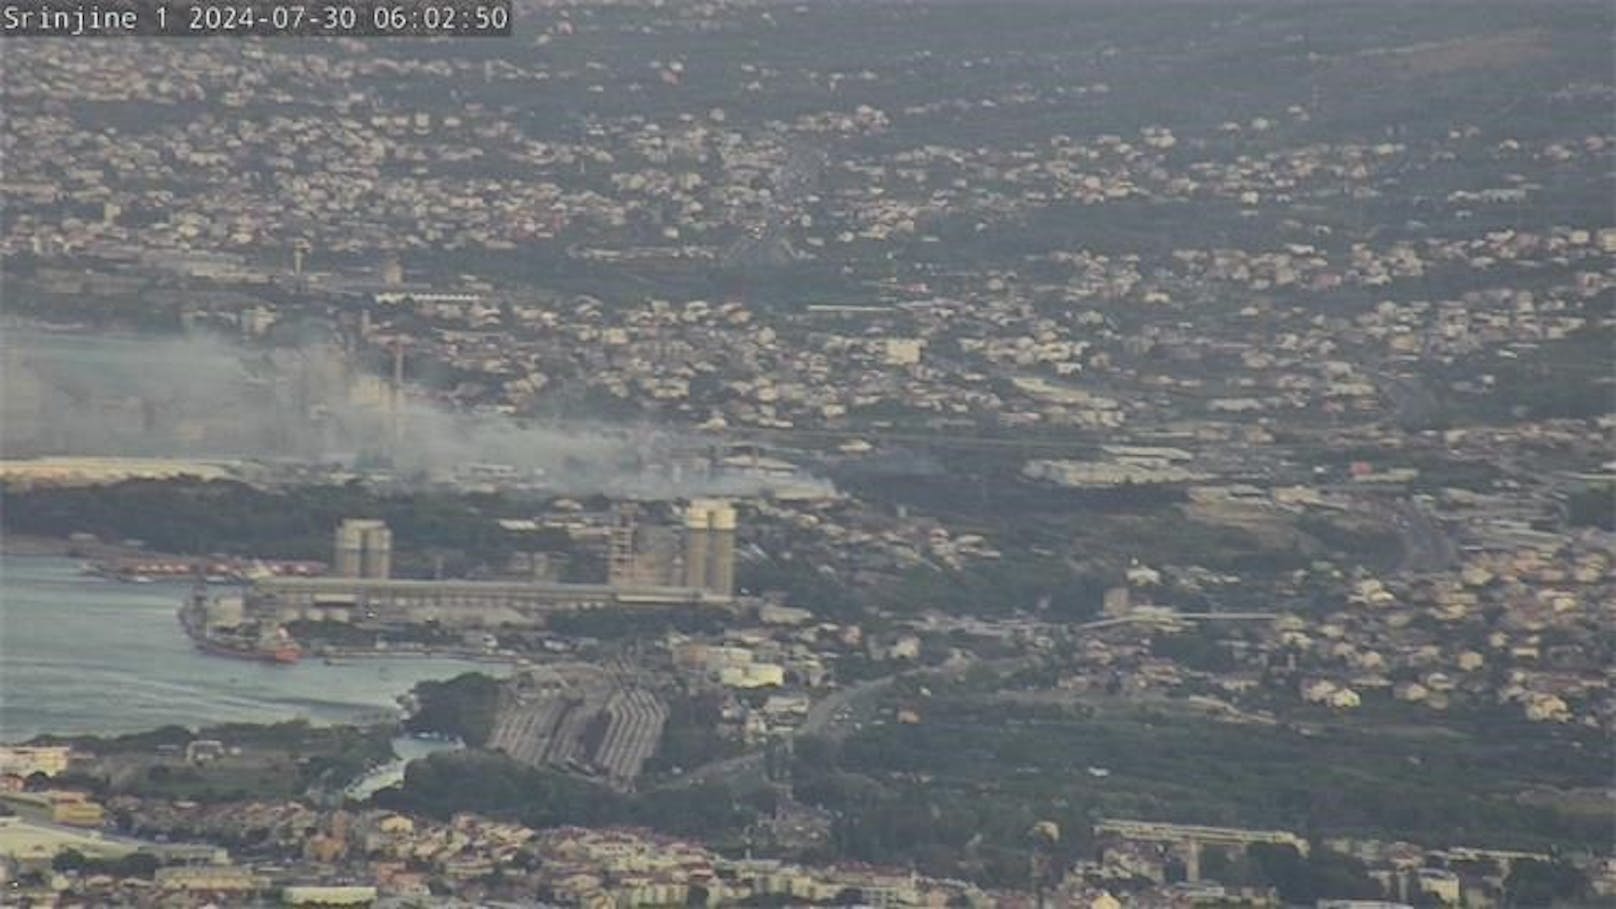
<point>79,654</point>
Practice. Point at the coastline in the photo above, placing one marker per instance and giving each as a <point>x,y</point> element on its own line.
<point>70,639</point>
<point>21,544</point>
<point>32,546</point>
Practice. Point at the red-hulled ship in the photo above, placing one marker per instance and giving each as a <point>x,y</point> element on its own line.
<point>277,648</point>
<point>243,641</point>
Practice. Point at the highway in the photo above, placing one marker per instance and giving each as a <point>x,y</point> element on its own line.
<point>835,715</point>
<point>822,719</point>
<point>843,711</point>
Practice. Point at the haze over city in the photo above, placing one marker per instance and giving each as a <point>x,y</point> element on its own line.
<point>993,453</point>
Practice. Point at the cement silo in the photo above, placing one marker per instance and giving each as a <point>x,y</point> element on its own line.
<point>710,546</point>
<point>721,541</point>
<point>349,555</point>
<point>696,548</point>
<point>378,552</point>
<point>364,549</point>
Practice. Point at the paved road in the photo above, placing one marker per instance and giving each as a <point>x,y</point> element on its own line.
<point>834,715</point>
<point>821,720</point>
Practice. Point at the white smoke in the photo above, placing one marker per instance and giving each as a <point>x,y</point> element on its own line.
<point>203,397</point>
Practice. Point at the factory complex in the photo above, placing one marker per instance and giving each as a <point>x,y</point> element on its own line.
<point>447,602</point>
<point>648,568</point>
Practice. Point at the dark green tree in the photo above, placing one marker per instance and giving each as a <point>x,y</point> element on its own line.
<point>1537,883</point>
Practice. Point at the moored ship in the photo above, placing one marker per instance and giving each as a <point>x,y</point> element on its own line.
<point>279,649</point>
<point>216,626</point>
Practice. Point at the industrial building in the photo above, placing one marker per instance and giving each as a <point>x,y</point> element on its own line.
<point>699,556</point>
<point>639,554</point>
<point>647,569</point>
<point>364,549</point>
<point>64,807</point>
<point>472,604</point>
<point>26,760</point>
<point>709,562</point>
<point>584,718</point>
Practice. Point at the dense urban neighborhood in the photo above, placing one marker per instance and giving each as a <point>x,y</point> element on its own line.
<point>893,454</point>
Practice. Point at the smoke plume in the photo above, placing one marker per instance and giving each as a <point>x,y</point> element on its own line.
<point>205,398</point>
